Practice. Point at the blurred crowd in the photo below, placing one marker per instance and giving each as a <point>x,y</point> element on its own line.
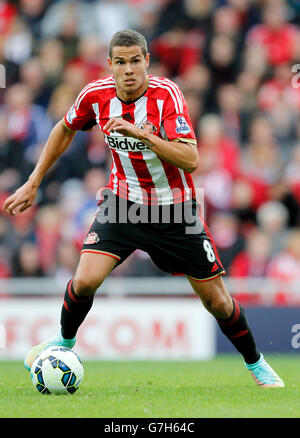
<point>236,62</point>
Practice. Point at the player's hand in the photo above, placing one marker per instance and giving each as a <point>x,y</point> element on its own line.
<point>122,127</point>
<point>22,199</point>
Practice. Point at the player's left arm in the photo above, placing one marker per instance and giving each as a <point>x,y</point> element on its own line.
<point>181,152</point>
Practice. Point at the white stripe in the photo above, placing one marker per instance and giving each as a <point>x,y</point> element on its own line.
<point>135,193</point>
<point>174,87</point>
<point>92,89</point>
<point>96,111</point>
<point>140,111</point>
<point>160,105</point>
<point>114,172</point>
<point>94,84</point>
<point>160,180</point>
<point>173,92</point>
<point>115,107</point>
<point>134,188</point>
<point>115,110</point>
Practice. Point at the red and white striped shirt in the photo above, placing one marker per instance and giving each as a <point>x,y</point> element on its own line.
<point>137,173</point>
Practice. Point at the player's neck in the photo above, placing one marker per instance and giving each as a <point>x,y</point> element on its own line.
<point>132,97</point>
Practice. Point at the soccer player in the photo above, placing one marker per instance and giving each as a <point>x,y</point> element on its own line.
<point>147,127</point>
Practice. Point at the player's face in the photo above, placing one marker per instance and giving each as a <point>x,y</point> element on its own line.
<point>129,67</point>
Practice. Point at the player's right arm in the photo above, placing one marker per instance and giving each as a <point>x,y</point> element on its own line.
<point>79,117</point>
<point>58,141</point>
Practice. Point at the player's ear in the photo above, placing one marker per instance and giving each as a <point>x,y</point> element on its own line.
<point>147,60</point>
<point>109,61</point>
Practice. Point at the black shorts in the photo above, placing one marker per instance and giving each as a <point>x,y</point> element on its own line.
<point>175,236</point>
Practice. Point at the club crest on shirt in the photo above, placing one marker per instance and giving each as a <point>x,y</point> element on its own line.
<point>71,114</point>
<point>181,126</point>
<point>91,238</point>
<point>149,127</point>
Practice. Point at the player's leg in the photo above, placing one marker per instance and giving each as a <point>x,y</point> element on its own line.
<point>229,314</point>
<point>232,320</point>
<point>92,269</point>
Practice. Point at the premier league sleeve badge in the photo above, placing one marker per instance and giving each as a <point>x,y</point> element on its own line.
<point>181,126</point>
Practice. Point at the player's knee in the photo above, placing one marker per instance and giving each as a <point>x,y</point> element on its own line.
<point>219,306</point>
<point>85,286</point>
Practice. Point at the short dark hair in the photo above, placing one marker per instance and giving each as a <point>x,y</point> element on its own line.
<point>128,38</point>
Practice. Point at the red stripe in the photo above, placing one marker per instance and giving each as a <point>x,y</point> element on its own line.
<point>237,311</point>
<point>190,183</point>
<point>139,164</point>
<point>175,181</point>
<point>66,306</point>
<point>153,114</point>
<point>239,334</point>
<point>104,106</point>
<point>100,252</point>
<point>235,316</point>
<point>199,280</point>
<point>71,295</point>
<point>144,177</point>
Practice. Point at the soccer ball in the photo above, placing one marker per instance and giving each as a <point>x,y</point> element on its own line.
<point>57,370</point>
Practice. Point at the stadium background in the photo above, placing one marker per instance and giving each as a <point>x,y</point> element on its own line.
<point>233,60</point>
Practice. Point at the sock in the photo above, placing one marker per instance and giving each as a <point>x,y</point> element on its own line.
<point>69,343</point>
<point>74,311</point>
<point>237,330</point>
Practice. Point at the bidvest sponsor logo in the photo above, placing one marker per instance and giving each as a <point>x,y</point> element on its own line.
<point>125,144</point>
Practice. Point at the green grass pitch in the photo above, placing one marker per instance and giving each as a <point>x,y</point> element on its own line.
<point>221,388</point>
